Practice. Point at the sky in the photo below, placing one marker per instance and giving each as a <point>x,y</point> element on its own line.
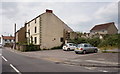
<point>78,14</point>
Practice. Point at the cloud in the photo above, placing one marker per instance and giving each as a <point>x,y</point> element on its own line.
<point>0,18</point>
<point>60,0</point>
<point>105,12</point>
<point>108,11</point>
<point>80,16</point>
<point>78,19</point>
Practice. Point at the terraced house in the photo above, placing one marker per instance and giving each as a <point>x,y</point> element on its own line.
<point>47,30</point>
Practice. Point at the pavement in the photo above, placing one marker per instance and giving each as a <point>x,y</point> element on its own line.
<point>0,60</point>
<point>107,60</point>
<point>113,50</point>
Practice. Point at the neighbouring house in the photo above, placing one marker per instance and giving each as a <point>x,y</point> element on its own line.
<point>7,40</point>
<point>47,30</point>
<point>21,35</point>
<point>84,35</point>
<point>107,28</point>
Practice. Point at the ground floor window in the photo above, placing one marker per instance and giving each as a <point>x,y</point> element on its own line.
<point>61,39</point>
<point>35,40</point>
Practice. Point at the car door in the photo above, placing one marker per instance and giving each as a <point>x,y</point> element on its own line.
<point>74,46</point>
<point>90,48</point>
<point>86,47</point>
<point>71,46</point>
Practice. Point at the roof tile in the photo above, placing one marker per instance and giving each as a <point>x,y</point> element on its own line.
<point>102,26</point>
<point>8,37</point>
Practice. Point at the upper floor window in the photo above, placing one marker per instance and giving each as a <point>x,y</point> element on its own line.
<point>10,40</point>
<point>29,32</point>
<point>35,29</point>
<point>5,39</point>
<point>35,20</point>
<point>103,30</point>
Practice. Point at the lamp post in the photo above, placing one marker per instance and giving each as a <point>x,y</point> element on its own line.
<point>15,36</point>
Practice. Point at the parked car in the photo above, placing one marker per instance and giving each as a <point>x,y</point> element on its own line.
<point>69,46</point>
<point>0,45</point>
<point>85,48</point>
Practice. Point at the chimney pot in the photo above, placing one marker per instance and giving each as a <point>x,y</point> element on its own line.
<point>49,11</point>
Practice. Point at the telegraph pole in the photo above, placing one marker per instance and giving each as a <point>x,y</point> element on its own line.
<point>15,35</point>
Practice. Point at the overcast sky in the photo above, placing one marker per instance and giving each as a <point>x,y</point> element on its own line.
<point>79,15</point>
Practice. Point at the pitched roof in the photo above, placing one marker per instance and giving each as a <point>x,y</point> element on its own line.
<point>102,26</point>
<point>8,37</point>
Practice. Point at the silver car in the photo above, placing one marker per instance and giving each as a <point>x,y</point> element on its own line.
<point>85,48</point>
<point>69,46</point>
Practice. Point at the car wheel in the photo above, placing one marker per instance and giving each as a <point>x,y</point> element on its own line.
<point>68,49</point>
<point>63,49</point>
<point>95,51</point>
<point>76,52</point>
<point>84,52</point>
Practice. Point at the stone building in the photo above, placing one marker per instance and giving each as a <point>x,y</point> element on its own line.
<point>21,35</point>
<point>107,28</point>
<point>47,30</point>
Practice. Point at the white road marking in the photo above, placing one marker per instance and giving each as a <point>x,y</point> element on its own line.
<point>15,69</point>
<point>101,62</point>
<point>103,70</point>
<point>90,68</point>
<point>4,58</point>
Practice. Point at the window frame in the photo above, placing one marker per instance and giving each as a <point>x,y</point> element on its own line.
<point>35,40</point>
<point>35,29</point>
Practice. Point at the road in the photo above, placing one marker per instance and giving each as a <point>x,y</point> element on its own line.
<point>12,62</point>
<point>19,64</point>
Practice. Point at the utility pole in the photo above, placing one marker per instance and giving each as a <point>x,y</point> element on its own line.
<point>15,35</point>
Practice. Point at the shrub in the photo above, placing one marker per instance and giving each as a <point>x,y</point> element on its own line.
<point>94,41</point>
<point>78,40</point>
<point>57,47</point>
<point>103,44</point>
<point>31,47</point>
<point>111,40</point>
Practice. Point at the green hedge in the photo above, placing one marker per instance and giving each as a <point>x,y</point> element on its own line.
<point>111,40</point>
<point>57,47</point>
<point>92,41</point>
<point>31,47</point>
<point>108,40</point>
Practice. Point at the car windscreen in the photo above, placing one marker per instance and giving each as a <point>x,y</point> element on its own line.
<point>80,45</point>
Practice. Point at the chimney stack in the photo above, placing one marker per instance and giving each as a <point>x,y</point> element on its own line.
<point>49,11</point>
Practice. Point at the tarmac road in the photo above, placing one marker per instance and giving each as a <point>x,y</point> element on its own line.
<point>18,63</point>
<point>12,62</point>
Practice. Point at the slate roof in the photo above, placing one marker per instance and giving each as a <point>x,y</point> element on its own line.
<point>102,26</point>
